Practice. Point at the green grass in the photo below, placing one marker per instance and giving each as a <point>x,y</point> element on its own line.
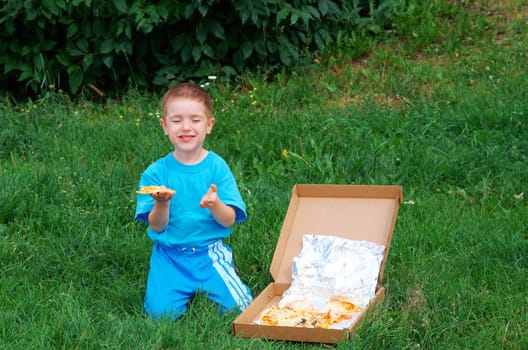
<point>442,111</point>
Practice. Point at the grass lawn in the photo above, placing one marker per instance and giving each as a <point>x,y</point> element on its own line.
<point>442,111</point>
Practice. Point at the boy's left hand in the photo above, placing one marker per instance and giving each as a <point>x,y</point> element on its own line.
<point>210,199</point>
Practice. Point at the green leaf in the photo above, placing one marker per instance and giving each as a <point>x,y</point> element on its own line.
<point>229,71</point>
<point>160,80</point>
<point>205,69</point>
<point>238,60</point>
<point>197,53</point>
<point>46,45</point>
<point>99,28</point>
<point>285,56</point>
<point>294,18</point>
<point>323,6</point>
<point>272,46</point>
<point>203,9</point>
<point>283,14</point>
<point>247,49</point>
<point>208,51</point>
<point>107,46</point>
<point>82,44</point>
<point>51,6</point>
<point>189,10</point>
<point>178,42</point>
<point>9,64</point>
<point>72,30</point>
<point>76,52</point>
<point>186,54</point>
<point>87,61</point>
<point>26,71</point>
<point>63,59</point>
<point>314,13</point>
<point>121,5</point>
<point>108,60</point>
<point>26,50</point>
<point>217,29</point>
<point>201,33</point>
<point>260,47</point>
<point>76,77</point>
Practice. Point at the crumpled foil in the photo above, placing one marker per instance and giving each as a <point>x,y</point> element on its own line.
<point>330,266</point>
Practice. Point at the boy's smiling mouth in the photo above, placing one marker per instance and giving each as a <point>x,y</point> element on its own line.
<point>186,138</point>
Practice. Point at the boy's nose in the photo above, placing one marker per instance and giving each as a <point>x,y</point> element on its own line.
<point>186,124</point>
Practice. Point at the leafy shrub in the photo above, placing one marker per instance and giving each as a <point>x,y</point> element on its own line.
<point>64,44</point>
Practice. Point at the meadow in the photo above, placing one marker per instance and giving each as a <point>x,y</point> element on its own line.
<point>442,112</point>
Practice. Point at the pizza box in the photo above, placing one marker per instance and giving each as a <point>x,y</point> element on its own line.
<point>357,212</point>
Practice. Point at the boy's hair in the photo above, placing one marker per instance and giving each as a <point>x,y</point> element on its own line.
<point>191,91</point>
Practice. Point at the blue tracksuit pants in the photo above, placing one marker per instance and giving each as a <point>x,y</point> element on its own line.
<point>178,273</point>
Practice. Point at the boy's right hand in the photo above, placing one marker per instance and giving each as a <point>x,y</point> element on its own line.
<point>162,196</point>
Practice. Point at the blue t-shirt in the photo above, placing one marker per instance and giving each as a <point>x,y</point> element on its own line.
<point>189,224</point>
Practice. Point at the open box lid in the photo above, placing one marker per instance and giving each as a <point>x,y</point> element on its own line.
<point>356,212</point>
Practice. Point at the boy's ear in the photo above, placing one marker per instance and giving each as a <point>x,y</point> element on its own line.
<point>163,125</point>
<point>210,123</point>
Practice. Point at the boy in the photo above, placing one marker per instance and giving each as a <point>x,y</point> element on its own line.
<point>188,227</point>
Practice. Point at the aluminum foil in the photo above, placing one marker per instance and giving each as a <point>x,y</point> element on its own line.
<point>330,266</point>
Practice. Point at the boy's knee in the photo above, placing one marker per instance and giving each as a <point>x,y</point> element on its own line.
<point>159,309</point>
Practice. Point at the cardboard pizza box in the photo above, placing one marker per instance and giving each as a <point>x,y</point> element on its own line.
<point>356,212</point>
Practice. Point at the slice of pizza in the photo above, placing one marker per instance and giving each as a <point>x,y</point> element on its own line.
<point>301,314</point>
<point>342,305</point>
<point>286,317</point>
<point>154,189</point>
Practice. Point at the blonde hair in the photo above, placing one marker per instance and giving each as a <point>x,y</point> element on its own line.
<point>191,91</point>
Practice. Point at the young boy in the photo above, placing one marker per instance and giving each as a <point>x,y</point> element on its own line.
<point>188,227</point>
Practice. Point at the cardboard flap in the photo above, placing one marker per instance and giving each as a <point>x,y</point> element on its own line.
<point>350,211</point>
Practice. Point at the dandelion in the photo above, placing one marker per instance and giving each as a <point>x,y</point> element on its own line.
<point>253,102</point>
<point>284,153</point>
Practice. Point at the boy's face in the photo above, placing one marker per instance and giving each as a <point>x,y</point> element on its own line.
<point>186,123</point>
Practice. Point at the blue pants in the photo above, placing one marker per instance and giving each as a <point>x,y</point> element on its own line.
<point>177,273</point>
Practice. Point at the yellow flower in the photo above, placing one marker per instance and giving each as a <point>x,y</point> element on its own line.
<point>284,152</point>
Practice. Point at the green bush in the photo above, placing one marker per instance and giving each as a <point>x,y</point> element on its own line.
<point>48,45</point>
